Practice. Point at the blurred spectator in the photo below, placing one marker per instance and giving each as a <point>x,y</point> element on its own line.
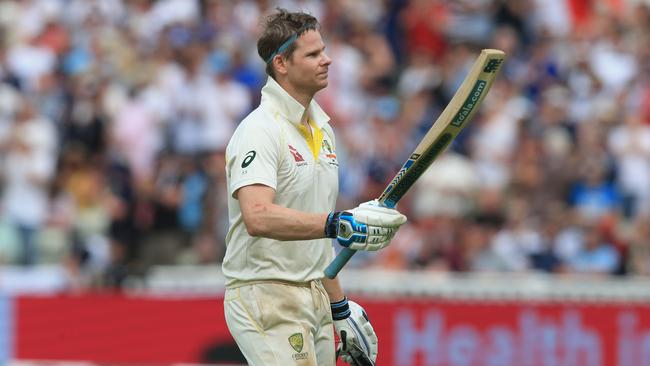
<point>470,21</point>
<point>494,142</point>
<point>597,255</point>
<point>438,237</point>
<point>135,135</point>
<point>87,193</point>
<point>593,195</point>
<point>639,253</point>
<point>29,61</point>
<point>472,252</point>
<point>569,238</point>
<point>519,240</point>
<point>124,220</point>
<point>30,159</point>
<point>377,58</point>
<point>449,188</point>
<point>193,191</point>
<point>630,144</point>
<point>84,123</point>
<point>165,237</point>
<point>550,223</point>
<point>211,244</point>
<point>421,33</point>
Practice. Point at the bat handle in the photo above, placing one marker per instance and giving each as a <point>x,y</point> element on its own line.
<point>341,259</point>
<point>344,256</point>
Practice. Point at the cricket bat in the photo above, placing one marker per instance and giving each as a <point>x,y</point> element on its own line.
<point>451,121</point>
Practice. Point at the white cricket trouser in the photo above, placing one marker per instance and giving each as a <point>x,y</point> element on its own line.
<point>281,323</point>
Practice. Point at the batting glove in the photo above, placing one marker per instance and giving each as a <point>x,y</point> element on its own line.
<point>359,345</point>
<point>368,227</point>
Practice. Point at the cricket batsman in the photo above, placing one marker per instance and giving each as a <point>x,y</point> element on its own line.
<point>282,176</point>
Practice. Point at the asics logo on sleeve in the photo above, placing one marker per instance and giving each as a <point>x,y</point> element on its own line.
<point>250,156</point>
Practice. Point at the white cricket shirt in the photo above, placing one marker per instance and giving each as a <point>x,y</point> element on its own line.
<point>273,148</point>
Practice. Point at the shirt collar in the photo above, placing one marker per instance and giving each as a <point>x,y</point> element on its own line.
<point>284,104</point>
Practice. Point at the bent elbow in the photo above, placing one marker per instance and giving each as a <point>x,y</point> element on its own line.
<point>254,229</point>
<point>254,221</point>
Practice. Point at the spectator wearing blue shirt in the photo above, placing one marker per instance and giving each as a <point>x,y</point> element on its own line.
<point>597,255</point>
<point>595,196</point>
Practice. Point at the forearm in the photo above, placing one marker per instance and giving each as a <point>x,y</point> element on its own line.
<point>282,223</point>
<point>333,289</point>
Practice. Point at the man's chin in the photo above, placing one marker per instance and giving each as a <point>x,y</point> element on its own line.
<point>321,84</point>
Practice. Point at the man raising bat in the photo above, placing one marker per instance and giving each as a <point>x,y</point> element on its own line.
<point>282,176</point>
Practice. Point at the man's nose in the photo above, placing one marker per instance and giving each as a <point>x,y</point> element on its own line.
<point>326,59</point>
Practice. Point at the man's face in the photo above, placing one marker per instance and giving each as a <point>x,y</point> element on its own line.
<point>307,67</point>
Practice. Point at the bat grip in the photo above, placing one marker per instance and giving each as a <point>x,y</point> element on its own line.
<point>337,264</point>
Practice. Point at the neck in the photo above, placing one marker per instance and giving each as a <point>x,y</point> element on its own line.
<point>302,97</point>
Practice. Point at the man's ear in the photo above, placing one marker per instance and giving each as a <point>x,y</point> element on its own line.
<point>280,65</point>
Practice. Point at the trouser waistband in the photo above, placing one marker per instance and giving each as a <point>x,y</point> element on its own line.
<point>315,286</point>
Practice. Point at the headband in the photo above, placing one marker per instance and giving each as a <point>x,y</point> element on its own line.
<point>283,47</point>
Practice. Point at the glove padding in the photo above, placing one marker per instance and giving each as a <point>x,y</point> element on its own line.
<point>356,357</point>
<point>359,345</point>
<point>368,227</point>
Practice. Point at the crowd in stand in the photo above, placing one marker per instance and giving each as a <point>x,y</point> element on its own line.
<point>115,114</point>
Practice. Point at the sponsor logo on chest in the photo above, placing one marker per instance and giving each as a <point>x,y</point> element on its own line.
<point>300,161</point>
<point>330,155</point>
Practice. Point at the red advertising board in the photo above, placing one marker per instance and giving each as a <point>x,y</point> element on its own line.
<point>116,329</point>
<point>445,333</point>
<point>427,332</point>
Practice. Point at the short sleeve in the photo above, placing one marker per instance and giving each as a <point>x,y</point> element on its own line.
<point>253,158</point>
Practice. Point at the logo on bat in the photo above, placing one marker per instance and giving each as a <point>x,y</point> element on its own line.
<point>469,104</point>
<point>398,178</point>
<point>492,65</point>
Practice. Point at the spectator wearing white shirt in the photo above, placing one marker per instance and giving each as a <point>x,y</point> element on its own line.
<point>28,171</point>
<point>29,61</point>
<point>630,145</point>
<point>520,239</point>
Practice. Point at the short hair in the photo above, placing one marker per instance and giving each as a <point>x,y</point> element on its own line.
<point>279,28</point>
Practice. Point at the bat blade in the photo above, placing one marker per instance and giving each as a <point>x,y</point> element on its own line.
<point>451,121</point>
